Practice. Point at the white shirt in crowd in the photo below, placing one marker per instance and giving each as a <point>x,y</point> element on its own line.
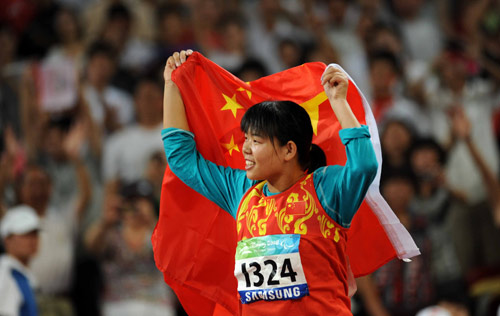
<point>117,100</point>
<point>127,152</point>
<point>53,264</point>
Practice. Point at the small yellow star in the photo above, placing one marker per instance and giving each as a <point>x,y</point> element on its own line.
<point>249,93</point>
<point>232,146</point>
<point>231,104</point>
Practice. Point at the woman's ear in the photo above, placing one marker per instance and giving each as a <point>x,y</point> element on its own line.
<point>290,150</point>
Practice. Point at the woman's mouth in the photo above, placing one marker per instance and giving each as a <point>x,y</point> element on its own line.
<point>249,164</point>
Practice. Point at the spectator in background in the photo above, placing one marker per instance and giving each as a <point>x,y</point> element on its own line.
<point>388,98</point>
<point>70,46</point>
<point>418,24</point>
<point>53,264</point>
<point>94,17</point>
<point>111,108</point>
<point>453,88</point>
<point>342,34</point>
<point>175,32</point>
<point>19,232</point>
<point>251,69</point>
<point>127,152</point>
<point>385,36</point>
<point>404,287</point>
<point>434,205</point>
<point>477,230</point>
<point>291,53</point>
<point>62,140</point>
<point>133,53</point>
<point>319,49</point>
<point>121,238</point>
<point>396,140</point>
<point>268,23</point>
<point>233,49</point>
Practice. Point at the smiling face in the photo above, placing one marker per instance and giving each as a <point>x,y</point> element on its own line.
<point>263,157</point>
<point>278,141</point>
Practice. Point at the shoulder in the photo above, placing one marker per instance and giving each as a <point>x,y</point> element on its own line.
<point>322,173</point>
<point>7,281</point>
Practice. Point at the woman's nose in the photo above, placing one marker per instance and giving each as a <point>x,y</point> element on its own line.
<point>246,147</point>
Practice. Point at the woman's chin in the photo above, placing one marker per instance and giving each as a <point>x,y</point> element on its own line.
<point>252,176</point>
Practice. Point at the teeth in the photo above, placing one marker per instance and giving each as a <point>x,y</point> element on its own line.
<point>250,163</point>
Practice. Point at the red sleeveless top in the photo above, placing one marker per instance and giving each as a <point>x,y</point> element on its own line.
<point>291,256</point>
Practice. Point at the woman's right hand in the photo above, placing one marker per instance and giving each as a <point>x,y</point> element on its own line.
<point>175,61</point>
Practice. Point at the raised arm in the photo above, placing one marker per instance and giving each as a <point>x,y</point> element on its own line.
<point>223,185</point>
<point>335,82</point>
<point>174,114</point>
<point>341,189</point>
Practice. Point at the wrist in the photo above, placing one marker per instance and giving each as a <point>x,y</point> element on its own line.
<point>169,82</point>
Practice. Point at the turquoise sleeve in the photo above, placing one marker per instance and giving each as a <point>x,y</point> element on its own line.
<point>222,185</point>
<point>341,189</point>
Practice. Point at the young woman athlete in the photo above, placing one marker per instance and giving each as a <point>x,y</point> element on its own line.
<point>291,220</point>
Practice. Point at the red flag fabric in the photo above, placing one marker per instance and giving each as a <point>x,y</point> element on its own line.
<point>194,241</point>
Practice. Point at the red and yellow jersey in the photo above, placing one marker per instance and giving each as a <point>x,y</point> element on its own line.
<point>291,256</point>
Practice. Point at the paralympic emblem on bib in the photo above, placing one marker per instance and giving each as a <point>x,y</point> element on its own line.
<point>269,268</point>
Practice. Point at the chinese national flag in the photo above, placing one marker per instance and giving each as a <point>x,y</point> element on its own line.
<point>194,241</point>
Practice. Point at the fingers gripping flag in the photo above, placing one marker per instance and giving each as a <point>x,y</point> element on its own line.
<point>194,241</point>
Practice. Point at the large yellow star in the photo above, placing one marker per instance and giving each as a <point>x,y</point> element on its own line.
<point>231,146</point>
<point>312,108</point>
<point>231,104</point>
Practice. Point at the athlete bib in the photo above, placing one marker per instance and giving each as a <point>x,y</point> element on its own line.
<point>269,268</point>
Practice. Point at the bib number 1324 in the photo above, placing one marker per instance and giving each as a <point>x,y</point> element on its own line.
<point>269,268</point>
<point>272,277</point>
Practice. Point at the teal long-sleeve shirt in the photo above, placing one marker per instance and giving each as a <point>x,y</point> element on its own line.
<point>340,189</point>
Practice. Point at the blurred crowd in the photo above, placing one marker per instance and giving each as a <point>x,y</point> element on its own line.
<point>80,121</point>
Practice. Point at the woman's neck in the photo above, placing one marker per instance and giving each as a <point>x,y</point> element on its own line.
<point>285,181</point>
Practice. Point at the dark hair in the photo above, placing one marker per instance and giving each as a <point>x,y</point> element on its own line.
<point>285,121</point>
<point>406,175</point>
<point>252,64</point>
<point>62,122</point>
<point>118,11</point>
<point>101,48</point>
<point>387,56</point>
<point>429,143</point>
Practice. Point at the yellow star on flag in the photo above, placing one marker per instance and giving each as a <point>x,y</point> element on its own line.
<point>312,108</point>
<point>231,104</point>
<point>249,93</point>
<point>231,146</point>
